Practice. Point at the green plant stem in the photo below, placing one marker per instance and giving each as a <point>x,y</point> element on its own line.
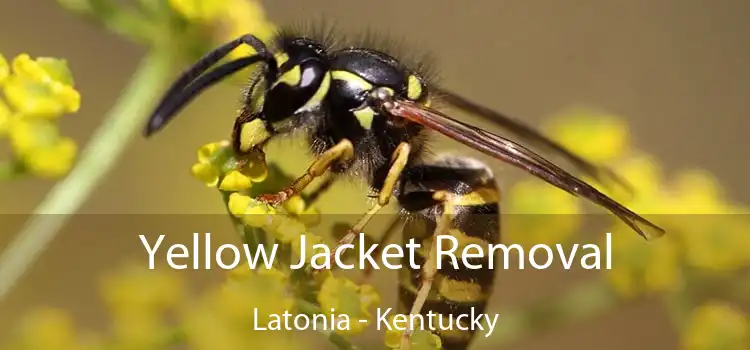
<point>97,159</point>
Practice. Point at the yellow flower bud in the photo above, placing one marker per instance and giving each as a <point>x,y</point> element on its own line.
<point>238,204</point>
<point>41,87</point>
<point>4,69</point>
<point>53,161</point>
<point>235,181</point>
<point>199,10</point>
<point>6,116</point>
<point>596,136</point>
<point>206,173</point>
<point>310,241</point>
<point>548,215</point>
<point>255,168</point>
<point>294,205</point>
<point>40,99</point>
<point>288,230</point>
<point>247,17</point>
<point>26,135</point>
<point>345,297</point>
<point>258,215</point>
<point>48,329</point>
<point>716,325</point>
<point>207,151</point>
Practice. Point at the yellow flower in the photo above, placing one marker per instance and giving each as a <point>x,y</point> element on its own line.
<point>6,117</point>
<point>716,325</point>
<point>310,216</point>
<point>251,212</point>
<point>291,233</point>
<point>713,234</point>
<point>206,173</point>
<point>53,161</point>
<point>224,318</point>
<point>540,214</point>
<point>345,297</point>
<point>640,266</point>
<point>264,289</point>
<point>216,161</point>
<point>244,17</point>
<point>209,150</point>
<point>4,69</point>
<point>38,144</point>
<point>287,230</point>
<point>235,181</point>
<point>596,136</point>
<point>135,289</point>
<point>48,329</point>
<point>199,10</point>
<point>420,339</point>
<point>41,88</point>
<point>643,173</point>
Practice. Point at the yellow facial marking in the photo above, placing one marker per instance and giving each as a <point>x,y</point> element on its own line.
<point>365,117</point>
<point>413,88</point>
<point>252,134</point>
<point>351,78</point>
<point>281,58</point>
<point>291,77</point>
<point>320,94</point>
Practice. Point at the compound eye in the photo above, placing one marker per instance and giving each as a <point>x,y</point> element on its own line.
<point>416,89</point>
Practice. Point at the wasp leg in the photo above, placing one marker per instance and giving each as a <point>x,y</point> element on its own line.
<point>429,270</point>
<point>398,163</point>
<point>342,152</point>
<point>385,238</point>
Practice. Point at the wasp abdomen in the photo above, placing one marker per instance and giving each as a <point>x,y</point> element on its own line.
<point>457,289</point>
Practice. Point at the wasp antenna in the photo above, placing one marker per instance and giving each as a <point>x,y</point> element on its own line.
<point>186,87</point>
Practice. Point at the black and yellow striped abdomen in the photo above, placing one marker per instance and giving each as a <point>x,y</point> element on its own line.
<point>456,289</point>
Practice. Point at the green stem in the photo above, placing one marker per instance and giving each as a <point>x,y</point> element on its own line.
<point>101,154</point>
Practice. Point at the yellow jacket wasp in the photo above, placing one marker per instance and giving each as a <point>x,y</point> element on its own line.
<point>366,115</point>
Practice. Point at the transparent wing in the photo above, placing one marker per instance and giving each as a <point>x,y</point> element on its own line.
<point>523,132</point>
<point>519,156</point>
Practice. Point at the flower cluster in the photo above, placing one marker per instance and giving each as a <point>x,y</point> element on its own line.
<point>717,325</point>
<point>237,179</point>
<point>37,92</point>
<point>702,233</point>
<point>706,232</point>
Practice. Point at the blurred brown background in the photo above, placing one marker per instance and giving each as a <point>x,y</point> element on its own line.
<point>677,70</point>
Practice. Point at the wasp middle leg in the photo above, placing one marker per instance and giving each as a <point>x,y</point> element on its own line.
<point>398,163</point>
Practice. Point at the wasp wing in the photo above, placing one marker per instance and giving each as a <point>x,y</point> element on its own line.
<point>523,131</point>
<point>519,156</point>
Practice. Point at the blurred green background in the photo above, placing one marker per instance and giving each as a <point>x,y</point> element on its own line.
<point>675,70</point>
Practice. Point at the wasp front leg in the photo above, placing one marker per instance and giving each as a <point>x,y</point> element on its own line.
<point>342,152</point>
